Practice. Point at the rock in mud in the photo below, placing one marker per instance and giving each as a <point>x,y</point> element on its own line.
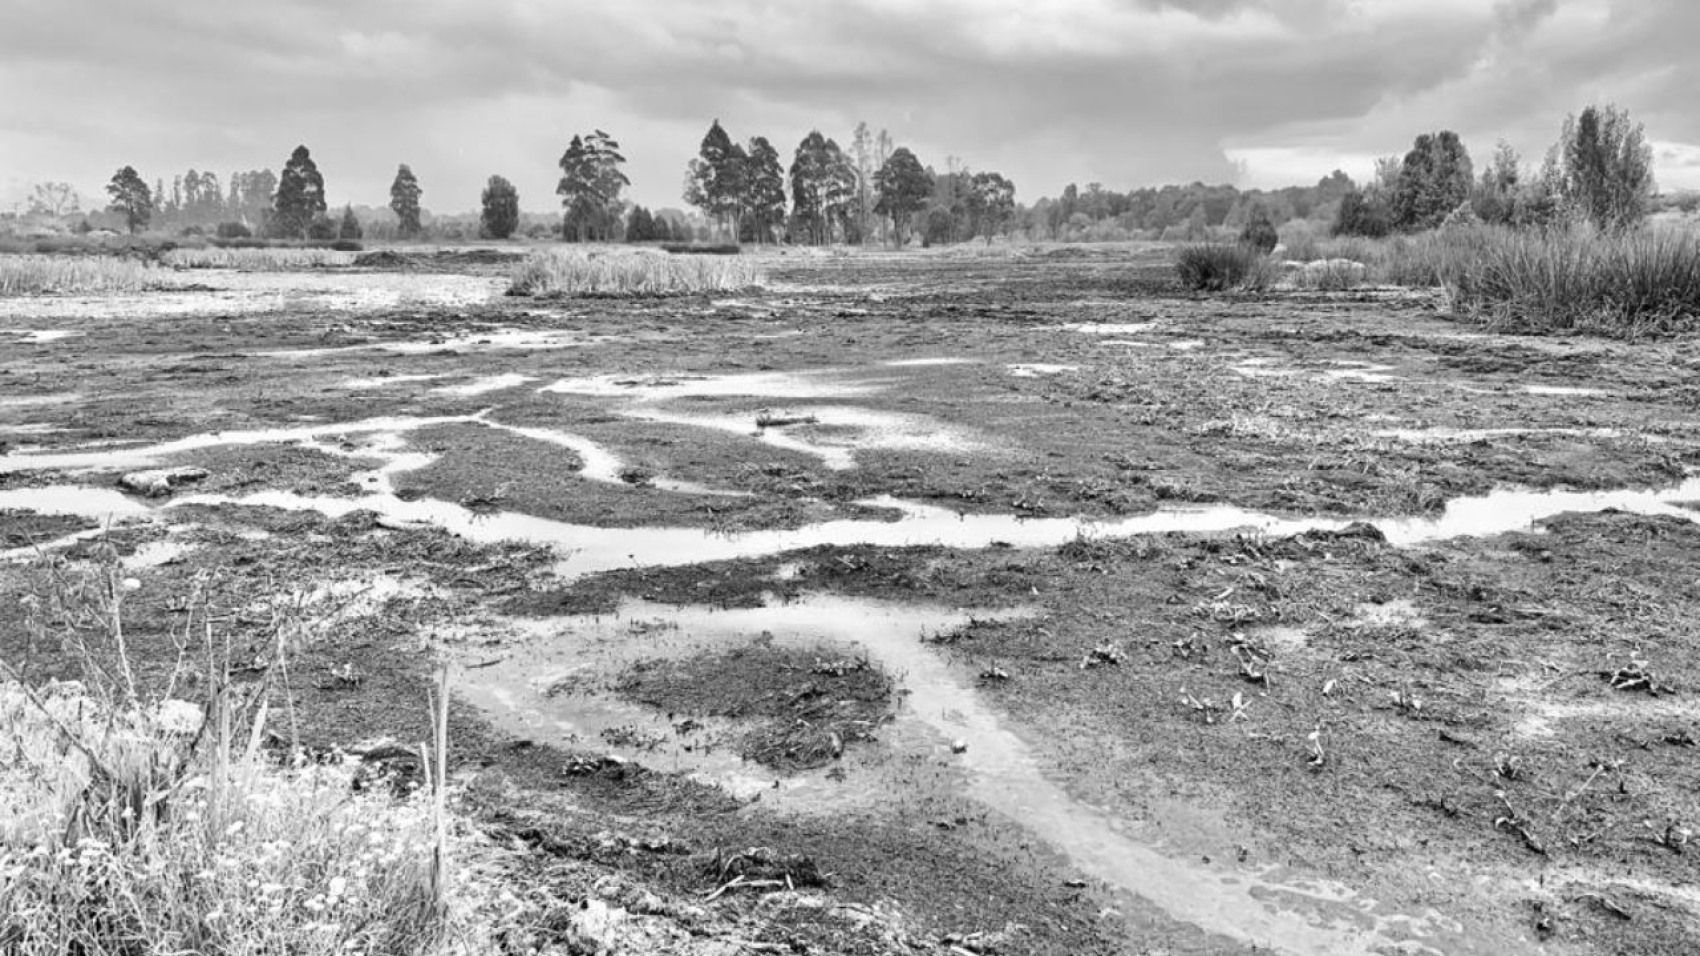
<point>159,482</point>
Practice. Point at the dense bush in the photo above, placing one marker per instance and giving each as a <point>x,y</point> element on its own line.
<point>702,248</point>
<point>1221,266</point>
<point>1259,233</point>
<point>233,230</point>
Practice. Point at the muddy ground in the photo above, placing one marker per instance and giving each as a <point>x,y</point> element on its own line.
<point>1003,603</point>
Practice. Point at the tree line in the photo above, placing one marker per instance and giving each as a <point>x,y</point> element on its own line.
<point>1600,170</point>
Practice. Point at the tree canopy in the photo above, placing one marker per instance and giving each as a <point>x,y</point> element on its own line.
<point>499,213</point>
<point>131,198</point>
<point>591,181</point>
<point>904,186</point>
<point>404,201</point>
<point>300,196</point>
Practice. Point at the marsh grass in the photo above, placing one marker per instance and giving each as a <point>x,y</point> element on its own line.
<point>1223,267</point>
<point>134,824</point>
<point>261,259</point>
<point>1644,282</point>
<point>72,275</point>
<point>631,274</point>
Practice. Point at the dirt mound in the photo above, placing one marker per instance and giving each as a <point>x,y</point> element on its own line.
<point>386,259</point>
<point>803,706</point>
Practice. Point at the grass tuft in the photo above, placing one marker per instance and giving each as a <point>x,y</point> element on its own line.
<point>631,274</point>
<point>1222,266</point>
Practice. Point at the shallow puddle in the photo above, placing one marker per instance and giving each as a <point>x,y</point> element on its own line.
<point>943,718</point>
<point>833,433</point>
<point>822,383</point>
<point>483,386</point>
<point>1037,369</point>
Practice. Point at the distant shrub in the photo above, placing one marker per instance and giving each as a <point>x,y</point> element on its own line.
<point>1259,232</point>
<point>346,245</point>
<point>630,274</point>
<point>702,248</point>
<point>1363,214</point>
<point>1221,267</point>
<point>233,230</point>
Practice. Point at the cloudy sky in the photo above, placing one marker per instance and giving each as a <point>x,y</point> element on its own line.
<point>1122,92</point>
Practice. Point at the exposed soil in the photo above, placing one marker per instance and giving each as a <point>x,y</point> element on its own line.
<point>808,705</point>
<point>1333,739</point>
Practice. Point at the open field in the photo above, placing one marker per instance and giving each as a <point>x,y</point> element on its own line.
<point>1009,601</point>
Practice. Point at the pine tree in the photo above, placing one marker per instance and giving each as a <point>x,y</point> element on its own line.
<point>404,202</point>
<point>349,229</point>
<point>499,216</point>
<point>1434,178</point>
<point>130,198</point>
<point>300,196</point>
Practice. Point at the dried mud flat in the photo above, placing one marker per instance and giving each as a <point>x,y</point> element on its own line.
<point>986,603</point>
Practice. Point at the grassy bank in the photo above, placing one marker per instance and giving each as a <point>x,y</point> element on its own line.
<point>49,275</point>
<point>263,259</point>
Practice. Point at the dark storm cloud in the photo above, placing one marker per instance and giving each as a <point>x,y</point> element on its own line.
<point>1118,91</point>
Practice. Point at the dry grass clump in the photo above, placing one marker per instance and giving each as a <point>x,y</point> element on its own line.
<point>631,274</point>
<point>134,825</point>
<point>265,259</point>
<point>63,275</point>
<point>1577,279</point>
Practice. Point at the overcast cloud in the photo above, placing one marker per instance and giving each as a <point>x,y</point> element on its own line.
<point>1122,92</point>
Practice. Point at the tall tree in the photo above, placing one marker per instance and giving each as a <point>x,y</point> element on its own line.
<point>131,198</point>
<point>1434,178</point>
<point>1605,167</point>
<point>863,150</point>
<point>1495,199</point>
<point>823,187</point>
<point>404,201</point>
<point>764,185</point>
<point>499,216</point>
<point>991,203</point>
<point>349,229</point>
<point>300,196</point>
<point>590,186</point>
<point>717,182</point>
<point>904,185</point>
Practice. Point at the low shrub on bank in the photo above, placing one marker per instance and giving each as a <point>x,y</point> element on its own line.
<point>257,259</point>
<point>71,275</point>
<point>702,248</point>
<point>1222,267</point>
<point>1576,279</point>
<point>634,274</point>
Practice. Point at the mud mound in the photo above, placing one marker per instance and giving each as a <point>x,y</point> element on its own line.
<point>804,706</point>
